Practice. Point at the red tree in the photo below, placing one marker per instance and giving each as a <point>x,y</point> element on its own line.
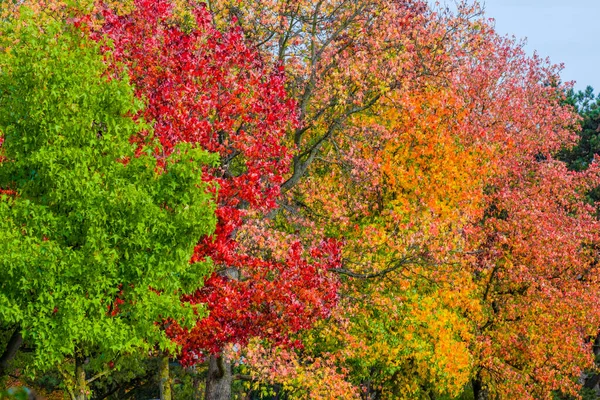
<point>207,86</point>
<point>536,247</point>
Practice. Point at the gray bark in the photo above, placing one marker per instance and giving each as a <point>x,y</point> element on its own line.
<point>219,379</point>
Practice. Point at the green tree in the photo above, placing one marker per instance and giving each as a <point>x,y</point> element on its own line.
<point>587,105</point>
<point>95,241</point>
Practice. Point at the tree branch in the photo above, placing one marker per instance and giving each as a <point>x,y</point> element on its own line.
<point>397,265</point>
<point>243,377</point>
<point>98,376</point>
<point>68,381</point>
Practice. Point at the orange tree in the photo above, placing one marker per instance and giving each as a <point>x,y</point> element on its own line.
<point>390,169</point>
<point>536,266</point>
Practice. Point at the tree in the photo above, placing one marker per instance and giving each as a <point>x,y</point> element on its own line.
<point>535,246</point>
<point>95,242</point>
<point>393,218</point>
<point>375,178</point>
<point>206,86</point>
<point>581,155</point>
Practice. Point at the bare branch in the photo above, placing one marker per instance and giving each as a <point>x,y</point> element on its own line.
<point>403,262</point>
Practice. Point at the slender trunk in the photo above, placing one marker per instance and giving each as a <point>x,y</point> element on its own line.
<point>81,387</point>
<point>197,395</point>
<point>480,392</point>
<point>14,343</point>
<point>219,379</point>
<point>164,379</point>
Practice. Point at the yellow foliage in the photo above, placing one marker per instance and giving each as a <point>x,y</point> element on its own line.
<point>414,180</point>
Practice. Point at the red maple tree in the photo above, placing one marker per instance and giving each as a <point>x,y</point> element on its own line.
<point>207,86</point>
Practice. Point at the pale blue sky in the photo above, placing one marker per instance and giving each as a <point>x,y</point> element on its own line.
<point>567,31</point>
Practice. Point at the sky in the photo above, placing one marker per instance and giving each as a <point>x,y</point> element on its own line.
<point>567,31</point>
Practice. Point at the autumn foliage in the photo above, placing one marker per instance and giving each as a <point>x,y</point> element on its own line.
<point>393,218</point>
<point>234,105</point>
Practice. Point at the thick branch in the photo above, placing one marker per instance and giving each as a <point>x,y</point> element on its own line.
<point>98,376</point>
<point>242,377</point>
<point>397,265</point>
<point>68,381</point>
<point>300,166</point>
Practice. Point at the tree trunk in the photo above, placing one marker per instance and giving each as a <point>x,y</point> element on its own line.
<point>480,392</point>
<point>197,395</point>
<point>164,379</point>
<point>592,379</point>
<point>81,388</point>
<point>219,379</point>
<point>14,343</point>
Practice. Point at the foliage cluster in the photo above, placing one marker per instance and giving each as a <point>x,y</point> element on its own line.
<point>325,199</point>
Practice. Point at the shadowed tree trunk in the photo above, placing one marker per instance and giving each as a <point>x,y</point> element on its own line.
<point>592,379</point>
<point>14,343</point>
<point>219,379</point>
<point>196,385</point>
<point>480,392</point>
